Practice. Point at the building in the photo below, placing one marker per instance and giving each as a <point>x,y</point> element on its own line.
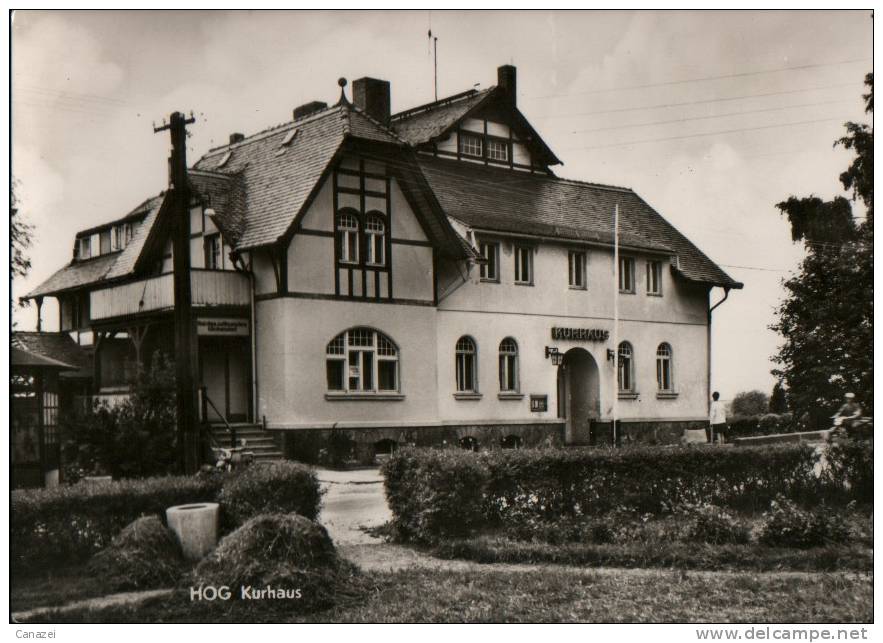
<point>418,277</point>
<point>49,373</point>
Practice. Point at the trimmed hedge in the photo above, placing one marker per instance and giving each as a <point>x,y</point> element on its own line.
<point>69,524</point>
<point>280,487</point>
<point>443,493</point>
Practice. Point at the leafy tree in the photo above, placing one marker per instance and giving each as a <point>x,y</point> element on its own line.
<point>19,235</point>
<point>750,403</point>
<point>826,318</point>
<point>778,400</point>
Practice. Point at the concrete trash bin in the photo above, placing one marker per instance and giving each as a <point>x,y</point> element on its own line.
<point>196,528</point>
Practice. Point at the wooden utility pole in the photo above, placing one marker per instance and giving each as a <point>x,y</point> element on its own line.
<point>185,326</point>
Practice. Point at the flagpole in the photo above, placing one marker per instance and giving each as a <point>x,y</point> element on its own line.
<point>615,317</point>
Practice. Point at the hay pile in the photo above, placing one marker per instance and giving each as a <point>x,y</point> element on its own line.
<point>284,552</point>
<point>143,555</point>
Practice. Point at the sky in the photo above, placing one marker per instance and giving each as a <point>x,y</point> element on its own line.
<point>712,117</point>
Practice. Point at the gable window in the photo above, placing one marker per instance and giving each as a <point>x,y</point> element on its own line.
<point>627,275</point>
<point>85,248</point>
<point>663,369</point>
<point>348,237</point>
<point>362,360</point>
<point>212,245</point>
<point>625,372</point>
<point>508,366</point>
<point>654,277</point>
<point>375,241</point>
<point>524,265</point>
<point>470,144</point>
<point>490,252</point>
<point>576,263</point>
<point>497,150</point>
<point>466,365</point>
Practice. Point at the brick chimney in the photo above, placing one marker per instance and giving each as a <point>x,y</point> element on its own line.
<point>236,137</point>
<point>506,80</point>
<point>372,97</point>
<point>309,108</point>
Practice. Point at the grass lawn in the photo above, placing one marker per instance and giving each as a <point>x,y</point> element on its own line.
<point>549,594</point>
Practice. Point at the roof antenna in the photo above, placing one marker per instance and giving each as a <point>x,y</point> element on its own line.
<point>343,100</point>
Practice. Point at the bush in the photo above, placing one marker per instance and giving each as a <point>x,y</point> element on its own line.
<point>713,525</point>
<point>851,468</point>
<point>282,551</point>
<point>71,523</point>
<point>443,493</point>
<point>435,493</point>
<point>144,554</point>
<point>135,438</point>
<point>787,525</point>
<point>280,487</point>
<point>750,403</point>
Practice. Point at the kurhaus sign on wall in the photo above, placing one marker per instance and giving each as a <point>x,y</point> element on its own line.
<point>585,334</point>
<point>215,326</point>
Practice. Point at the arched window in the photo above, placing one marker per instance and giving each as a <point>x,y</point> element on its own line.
<point>663,368</point>
<point>375,241</point>
<point>625,372</point>
<point>466,365</point>
<point>348,237</point>
<point>508,365</point>
<point>362,360</point>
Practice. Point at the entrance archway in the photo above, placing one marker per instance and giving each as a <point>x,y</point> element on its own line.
<point>579,395</point>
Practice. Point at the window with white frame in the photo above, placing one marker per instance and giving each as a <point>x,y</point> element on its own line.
<point>84,248</point>
<point>118,242</point>
<point>375,245</point>
<point>576,263</point>
<point>523,265</point>
<point>654,277</point>
<point>497,150</point>
<point>490,252</point>
<point>664,380</point>
<point>470,144</point>
<point>627,274</point>
<point>212,247</point>
<point>348,237</point>
<point>362,360</point>
<point>508,366</point>
<point>467,375</point>
<point>128,232</point>
<point>625,368</point>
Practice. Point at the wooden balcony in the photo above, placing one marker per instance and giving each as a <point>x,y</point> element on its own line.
<point>209,288</point>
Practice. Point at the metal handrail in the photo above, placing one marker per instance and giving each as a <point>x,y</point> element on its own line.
<point>207,399</point>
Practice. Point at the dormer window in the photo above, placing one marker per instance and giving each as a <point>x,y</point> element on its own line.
<point>84,248</point>
<point>118,242</point>
<point>470,145</point>
<point>497,150</point>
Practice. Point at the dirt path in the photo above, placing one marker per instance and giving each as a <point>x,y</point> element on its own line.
<point>112,600</point>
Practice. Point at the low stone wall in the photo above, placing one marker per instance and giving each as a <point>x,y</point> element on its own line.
<point>305,444</point>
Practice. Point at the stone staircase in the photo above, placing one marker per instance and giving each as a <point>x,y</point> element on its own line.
<point>260,442</point>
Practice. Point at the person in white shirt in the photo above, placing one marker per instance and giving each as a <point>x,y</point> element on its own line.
<point>717,420</point>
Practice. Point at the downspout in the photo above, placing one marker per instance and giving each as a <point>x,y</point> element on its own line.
<point>708,339</point>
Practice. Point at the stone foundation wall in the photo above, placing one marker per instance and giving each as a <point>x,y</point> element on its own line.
<point>650,433</point>
<point>364,444</point>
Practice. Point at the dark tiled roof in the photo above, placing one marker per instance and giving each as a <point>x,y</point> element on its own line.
<point>516,202</point>
<point>109,266</point>
<point>75,275</point>
<point>424,123</point>
<point>277,180</point>
<point>56,346</point>
<point>19,358</point>
<point>223,194</point>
